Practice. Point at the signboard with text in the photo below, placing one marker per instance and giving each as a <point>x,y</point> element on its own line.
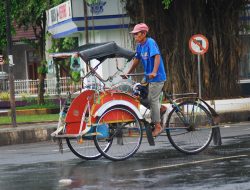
<point>64,11</point>
<point>59,13</point>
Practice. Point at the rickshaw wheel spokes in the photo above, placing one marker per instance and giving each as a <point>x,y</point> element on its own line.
<point>126,134</point>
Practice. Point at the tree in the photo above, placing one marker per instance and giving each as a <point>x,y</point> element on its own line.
<point>32,13</point>
<point>166,3</point>
<point>3,37</point>
<point>172,28</point>
<point>3,27</point>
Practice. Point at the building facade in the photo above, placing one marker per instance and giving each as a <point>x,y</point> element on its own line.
<point>25,57</point>
<point>102,22</point>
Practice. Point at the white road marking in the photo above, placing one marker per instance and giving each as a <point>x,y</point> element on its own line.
<point>246,129</point>
<point>57,150</point>
<point>11,150</point>
<point>189,163</point>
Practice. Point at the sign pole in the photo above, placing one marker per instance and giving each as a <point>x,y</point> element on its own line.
<point>199,74</point>
<point>198,44</point>
<point>11,64</point>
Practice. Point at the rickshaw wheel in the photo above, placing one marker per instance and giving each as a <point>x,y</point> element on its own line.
<point>86,150</point>
<point>124,133</point>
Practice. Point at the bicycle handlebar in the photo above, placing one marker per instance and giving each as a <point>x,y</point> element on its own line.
<point>125,76</point>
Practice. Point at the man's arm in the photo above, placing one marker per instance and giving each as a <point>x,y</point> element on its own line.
<point>134,65</point>
<point>132,68</point>
<point>156,66</point>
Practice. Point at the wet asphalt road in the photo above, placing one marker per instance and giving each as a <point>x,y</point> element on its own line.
<point>40,166</point>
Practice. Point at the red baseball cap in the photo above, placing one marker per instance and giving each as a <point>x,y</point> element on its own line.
<point>140,27</point>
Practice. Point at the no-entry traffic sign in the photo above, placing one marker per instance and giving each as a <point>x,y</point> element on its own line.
<point>1,60</point>
<point>198,44</point>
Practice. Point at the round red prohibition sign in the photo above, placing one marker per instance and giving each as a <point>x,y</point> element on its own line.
<point>198,44</point>
<point>1,60</point>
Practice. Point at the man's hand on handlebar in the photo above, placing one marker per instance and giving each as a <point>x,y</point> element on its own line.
<point>152,75</point>
<point>124,76</point>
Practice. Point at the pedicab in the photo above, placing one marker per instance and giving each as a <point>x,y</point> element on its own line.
<point>108,122</point>
<point>78,117</point>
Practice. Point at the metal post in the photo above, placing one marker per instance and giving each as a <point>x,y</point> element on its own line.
<point>11,64</point>
<point>86,21</point>
<point>86,25</point>
<point>199,74</point>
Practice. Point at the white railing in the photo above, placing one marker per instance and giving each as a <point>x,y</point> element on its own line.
<point>30,87</point>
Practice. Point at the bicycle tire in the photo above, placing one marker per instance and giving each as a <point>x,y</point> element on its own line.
<point>85,150</point>
<point>125,135</point>
<point>196,135</point>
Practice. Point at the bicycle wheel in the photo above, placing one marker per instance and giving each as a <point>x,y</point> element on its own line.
<point>189,127</point>
<point>86,150</point>
<point>124,131</point>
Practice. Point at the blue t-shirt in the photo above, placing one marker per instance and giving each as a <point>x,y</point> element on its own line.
<point>145,53</point>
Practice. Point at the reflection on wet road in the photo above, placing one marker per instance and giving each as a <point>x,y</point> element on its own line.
<point>36,166</point>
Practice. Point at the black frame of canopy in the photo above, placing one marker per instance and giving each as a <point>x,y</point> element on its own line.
<point>99,51</point>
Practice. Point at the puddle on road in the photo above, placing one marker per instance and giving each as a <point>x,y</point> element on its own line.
<point>233,173</point>
<point>233,145</point>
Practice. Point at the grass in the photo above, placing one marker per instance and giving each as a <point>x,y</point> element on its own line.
<point>6,120</point>
<point>30,118</point>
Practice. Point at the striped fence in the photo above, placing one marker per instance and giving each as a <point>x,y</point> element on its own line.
<point>30,87</point>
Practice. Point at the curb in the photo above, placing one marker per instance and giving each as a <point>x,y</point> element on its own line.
<point>233,117</point>
<point>38,132</point>
<point>22,135</point>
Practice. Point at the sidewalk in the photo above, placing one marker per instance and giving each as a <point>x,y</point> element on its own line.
<point>26,133</point>
<point>229,110</point>
<point>232,110</point>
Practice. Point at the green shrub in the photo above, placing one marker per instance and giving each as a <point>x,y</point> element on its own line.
<point>32,100</point>
<point>4,96</point>
<point>24,96</point>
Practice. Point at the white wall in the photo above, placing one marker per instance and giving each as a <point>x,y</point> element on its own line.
<point>121,37</point>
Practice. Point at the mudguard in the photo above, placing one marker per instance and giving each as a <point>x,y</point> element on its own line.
<point>76,110</point>
<point>112,103</point>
